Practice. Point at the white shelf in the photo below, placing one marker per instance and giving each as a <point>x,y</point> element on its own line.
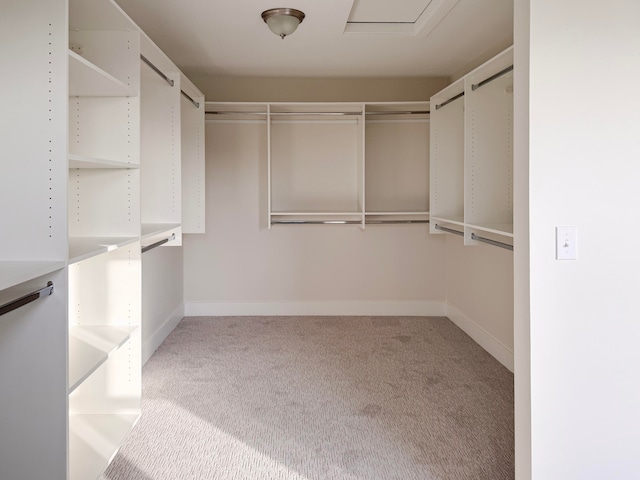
<point>454,220</point>
<point>505,229</point>
<point>94,439</point>
<point>80,161</point>
<point>90,347</point>
<point>152,229</point>
<point>89,80</point>
<point>82,248</point>
<point>14,272</point>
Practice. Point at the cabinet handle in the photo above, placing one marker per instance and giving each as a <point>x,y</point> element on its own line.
<point>9,307</point>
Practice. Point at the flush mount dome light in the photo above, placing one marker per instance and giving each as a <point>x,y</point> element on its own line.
<point>283,21</point>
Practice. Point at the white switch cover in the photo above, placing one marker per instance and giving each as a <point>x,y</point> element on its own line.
<point>566,243</point>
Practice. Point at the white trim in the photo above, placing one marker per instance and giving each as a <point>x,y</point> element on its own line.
<point>150,345</point>
<point>369,308</point>
<point>481,336</point>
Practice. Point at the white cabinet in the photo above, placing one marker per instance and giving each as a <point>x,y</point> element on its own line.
<point>472,155</point>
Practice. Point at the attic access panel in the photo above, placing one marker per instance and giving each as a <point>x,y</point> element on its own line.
<point>401,17</point>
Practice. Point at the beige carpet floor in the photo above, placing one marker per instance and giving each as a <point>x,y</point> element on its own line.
<point>315,398</point>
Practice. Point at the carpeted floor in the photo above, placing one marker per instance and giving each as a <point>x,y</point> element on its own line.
<point>315,398</point>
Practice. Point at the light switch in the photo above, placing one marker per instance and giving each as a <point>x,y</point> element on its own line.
<point>566,243</point>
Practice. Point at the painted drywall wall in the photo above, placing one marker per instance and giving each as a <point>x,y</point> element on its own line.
<point>162,288</point>
<point>480,295</point>
<point>240,266</point>
<point>259,89</point>
<point>584,171</point>
<point>521,261</point>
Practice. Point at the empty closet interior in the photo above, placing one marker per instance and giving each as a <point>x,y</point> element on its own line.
<point>129,201</point>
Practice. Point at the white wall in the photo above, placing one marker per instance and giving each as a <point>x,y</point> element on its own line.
<point>240,267</point>
<point>584,170</point>
<point>480,295</point>
<point>162,287</point>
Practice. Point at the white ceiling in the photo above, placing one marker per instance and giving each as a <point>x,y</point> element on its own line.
<point>229,38</point>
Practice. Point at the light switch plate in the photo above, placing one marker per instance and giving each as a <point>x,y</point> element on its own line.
<point>566,243</point>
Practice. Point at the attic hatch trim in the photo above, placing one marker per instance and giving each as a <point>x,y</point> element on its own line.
<point>431,16</point>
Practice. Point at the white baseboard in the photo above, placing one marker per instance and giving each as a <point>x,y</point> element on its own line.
<point>418,308</point>
<point>481,337</point>
<point>151,344</point>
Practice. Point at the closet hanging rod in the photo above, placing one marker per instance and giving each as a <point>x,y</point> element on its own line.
<point>409,112</point>
<point>158,243</point>
<point>491,242</point>
<point>188,97</point>
<point>329,114</point>
<point>393,222</point>
<point>449,230</point>
<point>316,222</point>
<point>229,112</point>
<point>156,69</point>
<point>475,86</point>
<point>447,102</point>
<point>9,307</point>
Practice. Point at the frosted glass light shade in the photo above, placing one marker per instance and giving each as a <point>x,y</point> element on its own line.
<point>283,21</point>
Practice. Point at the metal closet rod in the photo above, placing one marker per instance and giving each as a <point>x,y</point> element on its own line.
<point>346,222</point>
<point>475,86</point>
<point>156,69</point>
<point>157,244</point>
<point>491,242</point>
<point>408,112</point>
<point>449,230</point>
<point>447,102</point>
<point>188,97</point>
<point>9,307</point>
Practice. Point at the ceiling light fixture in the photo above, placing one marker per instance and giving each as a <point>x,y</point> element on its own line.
<point>283,21</point>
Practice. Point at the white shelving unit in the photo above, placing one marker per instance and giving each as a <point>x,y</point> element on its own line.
<point>472,155</point>
<point>316,162</point>
<point>104,355</point>
<point>70,252</point>
<point>397,162</point>
<point>192,107</point>
<point>161,184</point>
<point>33,242</point>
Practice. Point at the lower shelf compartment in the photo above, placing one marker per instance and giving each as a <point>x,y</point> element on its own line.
<point>94,439</point>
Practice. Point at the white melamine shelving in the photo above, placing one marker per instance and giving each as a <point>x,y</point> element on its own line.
<point>447,155</point>
<point>472,154</point>
<point>161,136</point>
<point>96,438</point>
<point>397,161</point>
<point>90,347</point>
<point>78,161</point>
<point>89,80</point>
<point>316,161</point>
<point>192,110</point>
<point>70,210</point>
